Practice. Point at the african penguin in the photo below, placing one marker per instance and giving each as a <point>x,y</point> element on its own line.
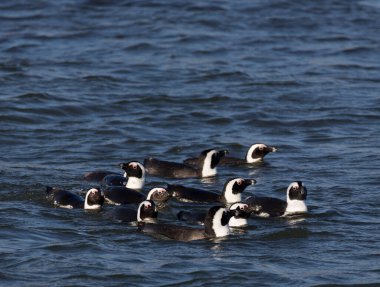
<point>216,225</point>
<point>207,166</point>
<point>231,192</point>
<point>66,199</point>
<point>146,211</point>
<point>274,207</point>
<point>134,176</point>
<point>159,195</point>
<point>241,214</point>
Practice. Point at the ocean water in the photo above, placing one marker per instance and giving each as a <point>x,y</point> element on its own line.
<point>85,85</point>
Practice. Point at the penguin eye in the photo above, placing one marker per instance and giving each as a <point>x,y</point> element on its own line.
<point>239,182</point>
<point>261,148</point>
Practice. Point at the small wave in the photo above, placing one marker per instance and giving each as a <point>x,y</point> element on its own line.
<point>287,234</point>
<point>36,99</point>
<point>219,121</point>
<point>215,75</point>
<point>21,119</point>
<point>334,38</point>
<point>101,78</point>
<point>371,3</point>
<point>14,65</point>
<point>141,47</point>
<point>53,35</point>
<point>192,39</point>
<point>40,97</point>
<point>355,50</point>
<point>22,15</point>
<point>352,66</point>
<point>20,48</point>
<point>205,7</point>
<point>213,52</point>
<point>279,83</point>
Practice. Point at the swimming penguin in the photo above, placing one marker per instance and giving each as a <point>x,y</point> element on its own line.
<point>274,207</point>
<point>231,192</point>
<point>98,175</point>
<point>134,176</point>
<point>216,225</point>
<point>256,153</point>
<point>239,219</point>
<point>66,199</point>
<point>145,212</point>
<point>159,195</point>
<point>206,166</point>
<point>122,195</point>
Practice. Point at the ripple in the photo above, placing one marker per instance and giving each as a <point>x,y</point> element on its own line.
<point>141,47</point>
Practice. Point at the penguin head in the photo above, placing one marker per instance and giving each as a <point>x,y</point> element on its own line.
<point>234,187</point>
<point>216,222</point>
<point>159,194</point>
<point>94,199</point>
<point>296,191</point>
<point>146,210</point>
<point>240,210</point>
<point>257,152</point>
<point>135,172</point>
<point>208,161</point>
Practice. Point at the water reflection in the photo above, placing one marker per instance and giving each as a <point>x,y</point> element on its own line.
<point>209,180</point>
<point>295,219</point>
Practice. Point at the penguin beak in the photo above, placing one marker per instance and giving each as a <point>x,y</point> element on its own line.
<point>250,181</point>
<point>255,209</point>
<point>122,165</point>
<point>169,190</point>
<point>303,193</point>
<point>272,149</point>
<point>222,153</point>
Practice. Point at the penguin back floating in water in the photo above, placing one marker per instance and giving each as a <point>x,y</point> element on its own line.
<point>216,225</point>
<point>274,207</point>
<point>66,199</point>
<point>208,162</point>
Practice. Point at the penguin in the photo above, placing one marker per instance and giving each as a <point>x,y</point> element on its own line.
<point>114,180</point>
<point>207,166</point>
<point>66,199</point>
<point>239,219</point>
<point>215,226</point>
<point>134,176</point>
<point>121,195</point>
<point>274,207</point>
<point>97,175</point>
<point>243,212</point>
<point>256,153</point>
<point>159,195</point>
<point>146,211</point>
<point>231,192</point>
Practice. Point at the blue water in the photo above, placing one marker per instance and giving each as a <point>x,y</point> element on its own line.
<point>85,85</point>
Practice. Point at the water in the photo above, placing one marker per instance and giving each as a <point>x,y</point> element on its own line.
<point>86,85</point>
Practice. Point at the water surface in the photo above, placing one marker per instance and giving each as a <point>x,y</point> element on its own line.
<point>86,85</point>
